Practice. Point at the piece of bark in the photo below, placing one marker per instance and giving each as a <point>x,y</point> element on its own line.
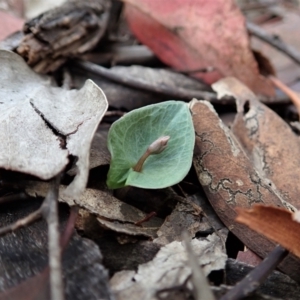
<point>229,180</point>
<point>71,29</point>
<point>184,217</point>
<point>24,254</point>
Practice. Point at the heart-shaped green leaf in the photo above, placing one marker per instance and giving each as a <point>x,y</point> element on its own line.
<point>130,137</point>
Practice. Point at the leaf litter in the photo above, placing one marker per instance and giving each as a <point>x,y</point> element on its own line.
<point>43,125</point>
<point>253,161</point>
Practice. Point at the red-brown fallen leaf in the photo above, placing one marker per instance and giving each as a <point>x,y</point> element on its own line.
<point>9,24</point>
<point>196,34</point>
<point>273,222</point>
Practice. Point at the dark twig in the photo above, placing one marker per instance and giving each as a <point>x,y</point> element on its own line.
<point>13,197</point>
<point>274,41</point>
<point>50,213</point>
<point>178,93</point>
<point>257,276</point>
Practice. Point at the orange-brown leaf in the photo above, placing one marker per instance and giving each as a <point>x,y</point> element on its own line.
<point>273,222</point>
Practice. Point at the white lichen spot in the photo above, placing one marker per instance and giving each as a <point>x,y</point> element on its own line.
<point>239,182</point>
<point>204,178</point>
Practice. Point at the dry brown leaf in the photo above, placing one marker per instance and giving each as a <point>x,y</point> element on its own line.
<point>191,35</point>
<point>273,222</point>
<point>110,212</point>
<point>230,180</point>
<point>41,125</point>
<point>269,142</point>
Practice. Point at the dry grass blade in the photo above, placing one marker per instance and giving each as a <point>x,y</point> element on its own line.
<point>50,213</point>
<point>295,97</point>
<point>201,287</point>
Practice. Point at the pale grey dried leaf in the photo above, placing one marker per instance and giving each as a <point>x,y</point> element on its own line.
<point>169,268</point>
<point>99,154</point>
<point>37,119</point>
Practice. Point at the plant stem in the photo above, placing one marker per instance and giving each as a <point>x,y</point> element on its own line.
<point>156,147</point>
<point>138,167</point>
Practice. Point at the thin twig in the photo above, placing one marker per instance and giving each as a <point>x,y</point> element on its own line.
<point>201,286</point>
<point>257,276</point>
<point>274,41</point>
<point>50,213</point>
<point>21,223</point>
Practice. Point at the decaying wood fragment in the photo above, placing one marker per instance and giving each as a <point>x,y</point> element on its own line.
<point>65,31</point>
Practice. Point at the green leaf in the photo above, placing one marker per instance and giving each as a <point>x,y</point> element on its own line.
<point>131,135</point>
